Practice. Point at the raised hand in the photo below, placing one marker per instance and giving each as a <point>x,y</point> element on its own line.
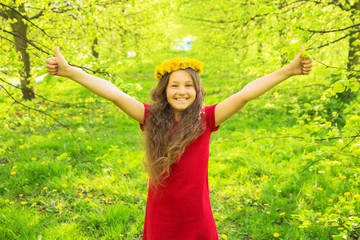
<point>300,65</point>
<point>58,65</point>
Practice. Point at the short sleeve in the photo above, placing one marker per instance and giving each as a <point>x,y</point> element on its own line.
<point>210,118</point>
<point>146,114</point>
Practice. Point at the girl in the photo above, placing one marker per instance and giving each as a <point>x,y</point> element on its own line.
<point>177,131</point>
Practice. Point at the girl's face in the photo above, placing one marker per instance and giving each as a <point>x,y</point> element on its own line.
<point>180,91</point>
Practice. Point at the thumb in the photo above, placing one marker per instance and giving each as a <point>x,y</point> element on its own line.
<point>299,55</point>
<point>59,55</point>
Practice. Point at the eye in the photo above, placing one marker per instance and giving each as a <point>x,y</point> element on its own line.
<point>188,85</point>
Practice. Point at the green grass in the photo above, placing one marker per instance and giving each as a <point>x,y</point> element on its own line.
<point>91,184</point>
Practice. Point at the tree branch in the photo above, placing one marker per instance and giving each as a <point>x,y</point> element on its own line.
<point>329,31</point>
<point>37,15</point>
<point>65,104</point>
<point>40,111</point>
<point>351,141</point>
<point>26,18</point>
<point>327,44</point>
<point>327,66</point>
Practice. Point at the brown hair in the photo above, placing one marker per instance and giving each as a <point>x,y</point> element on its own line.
<point>165,142</point>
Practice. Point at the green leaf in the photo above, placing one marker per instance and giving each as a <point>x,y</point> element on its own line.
<point>49,79</point>
<point>339,87</point>
<point>305,53</point>
<point>354,86</point>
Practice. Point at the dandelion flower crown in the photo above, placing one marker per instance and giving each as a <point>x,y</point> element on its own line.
<point>177,63</point>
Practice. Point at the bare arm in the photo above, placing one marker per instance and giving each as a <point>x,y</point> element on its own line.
<point>227,108</point>
<point>58,66</point>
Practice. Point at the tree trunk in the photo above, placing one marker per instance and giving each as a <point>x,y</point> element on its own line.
<point>19,28</point>
<point>354,48</point>
<point>354,41</point>
<point>93,46</point>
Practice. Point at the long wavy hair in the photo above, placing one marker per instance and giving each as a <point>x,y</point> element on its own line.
<point>166,140</point>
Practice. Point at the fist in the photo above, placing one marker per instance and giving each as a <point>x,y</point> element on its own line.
<point>58,65</point>
<point>301,65</point>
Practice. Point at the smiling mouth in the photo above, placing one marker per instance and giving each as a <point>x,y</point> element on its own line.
<point>181,99</point>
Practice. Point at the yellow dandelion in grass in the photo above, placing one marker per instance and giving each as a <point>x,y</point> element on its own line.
<point>7,200</point>
<point>340,228</point>
<point>343,177</point>
<point>276,235</point>
<point>334,224</point>
<point>23,203</point>
<point>33,158</point>
<point>319,189</point>
<point>239,208</point>
<point>347,194</point>
<point>14,167</point>
<point>64,185</point>
<point>80,194</point>
<point>121,202</point>
<point>44,188</point>
<point>21,146</point>
<point>282,214</point>
<point>144,195</point>
<point>265,204</point>
<point>330,200</point>
<point>13,173</point>
<point>90,195</point>
<point>256,199</point>
<point>76,217</point>
<point>356,196</point>
<point>265,177</point>
<point>223,236</point>
<point>34,203</point>
<point>2,150</point>
<point>11,202</point>
<point>20,195</point>
<point>267,212</point>
<point>87,199</point>
<point>54,190</point>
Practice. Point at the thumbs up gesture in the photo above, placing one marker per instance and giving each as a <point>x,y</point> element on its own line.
<point>301,65</point>
<point>58,65</point>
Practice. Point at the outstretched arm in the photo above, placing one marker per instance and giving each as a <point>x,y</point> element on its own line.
<point>224,110</point>
<point>58,66</point>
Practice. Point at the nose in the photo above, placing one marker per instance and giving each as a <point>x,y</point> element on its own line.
<point>182,90</point>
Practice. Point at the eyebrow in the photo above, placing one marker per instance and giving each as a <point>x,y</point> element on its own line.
<point>176,81</point>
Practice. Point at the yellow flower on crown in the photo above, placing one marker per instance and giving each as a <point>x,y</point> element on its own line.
<point>177,63</point>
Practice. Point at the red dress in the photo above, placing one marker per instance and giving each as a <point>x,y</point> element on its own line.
<point>181,209</point>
